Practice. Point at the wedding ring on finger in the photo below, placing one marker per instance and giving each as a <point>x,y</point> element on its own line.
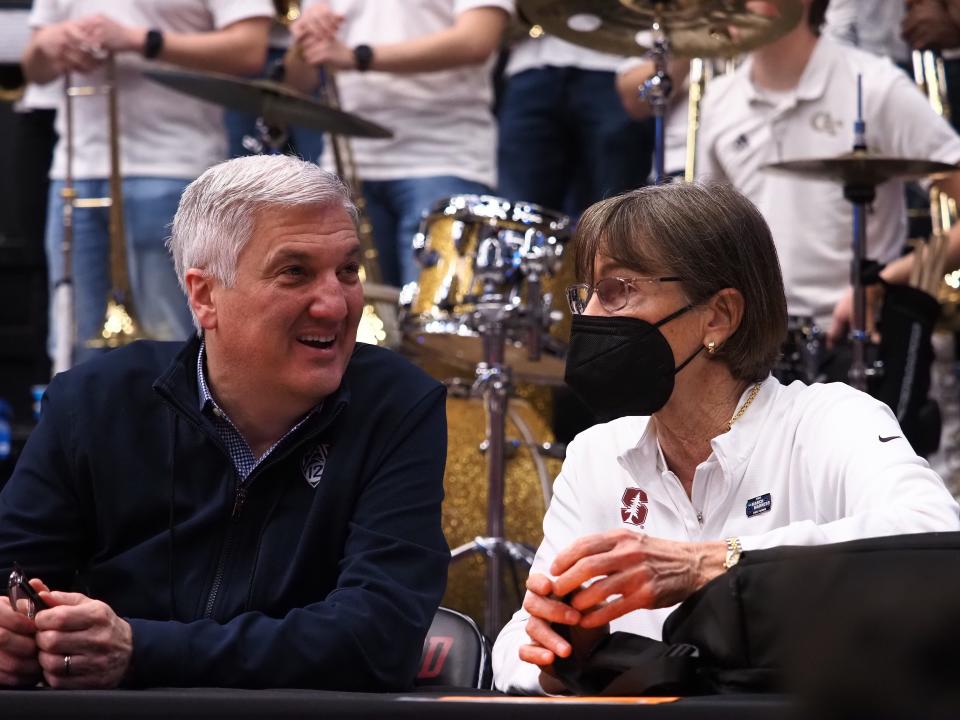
<point>66,664</point>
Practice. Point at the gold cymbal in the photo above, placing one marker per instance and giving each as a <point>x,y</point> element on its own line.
<point>864,168</point>
<point>695,28</point>
<point>275,102</point>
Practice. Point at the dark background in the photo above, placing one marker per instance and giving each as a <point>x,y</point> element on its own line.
<point>26,143</point>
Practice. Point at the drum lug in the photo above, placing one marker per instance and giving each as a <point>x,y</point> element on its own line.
<point>555,450</point>
<point>426,258</point>
<point>510,448</point>
<point>875,370</point>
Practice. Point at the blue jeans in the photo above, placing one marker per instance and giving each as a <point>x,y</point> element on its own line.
<point>149,206</point>
<point>395,208</point>
<point>566,141</point>
<point>307,144</point>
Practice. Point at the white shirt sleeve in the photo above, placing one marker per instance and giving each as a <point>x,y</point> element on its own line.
<point>227,12</point>
<point>561,526</point>
<point>46,12</point>
<point>861,485</point>
<point>508,6</point>
<point>841,20</point>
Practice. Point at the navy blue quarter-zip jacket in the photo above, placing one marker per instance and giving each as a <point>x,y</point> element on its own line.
<point>322,570</point>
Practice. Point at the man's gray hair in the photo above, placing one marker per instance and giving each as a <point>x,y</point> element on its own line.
<point>217,211</point>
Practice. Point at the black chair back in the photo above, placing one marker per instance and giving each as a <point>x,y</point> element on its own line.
<point>455,653</point>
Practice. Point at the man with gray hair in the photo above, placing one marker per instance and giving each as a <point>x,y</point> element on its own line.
<point>257,508</point>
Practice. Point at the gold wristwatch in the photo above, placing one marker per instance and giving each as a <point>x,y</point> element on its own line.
<point>734,549</point>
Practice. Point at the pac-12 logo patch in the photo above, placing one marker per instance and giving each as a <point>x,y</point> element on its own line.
<point>758,505</point>
<point>313,463</point>
<point>633,506</point>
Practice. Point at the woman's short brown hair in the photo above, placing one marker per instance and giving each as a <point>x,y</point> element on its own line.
<point>713,238</point>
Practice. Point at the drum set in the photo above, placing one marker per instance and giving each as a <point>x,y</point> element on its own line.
<point>487,313</point>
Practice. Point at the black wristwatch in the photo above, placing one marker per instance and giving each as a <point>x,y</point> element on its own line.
<point>153,44</point>
<point>363,56</point>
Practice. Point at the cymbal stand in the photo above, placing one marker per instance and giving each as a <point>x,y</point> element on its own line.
<point>860,195</point>
<point>272,136</point>
<point>494,382</point>
<point>657,91</point>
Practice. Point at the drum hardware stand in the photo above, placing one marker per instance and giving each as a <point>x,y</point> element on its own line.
<point>271,137</point>
<point>120,323</point>
<point>810,354</point>
<point>860,195</point>
<point>494,382</point>
<point>657,91</point>
<point>270,140</point>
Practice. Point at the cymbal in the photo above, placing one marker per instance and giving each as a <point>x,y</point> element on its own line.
<point>695,28</point>
<point>275,103</point>
<point>864,168</point>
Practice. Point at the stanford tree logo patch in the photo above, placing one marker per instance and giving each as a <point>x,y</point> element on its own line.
<point>633,506</point>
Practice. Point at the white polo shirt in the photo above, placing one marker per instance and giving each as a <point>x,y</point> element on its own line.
<point>803,466</point>
<point>163,133</point>
<point>743,129</point>
<point>442,121</point>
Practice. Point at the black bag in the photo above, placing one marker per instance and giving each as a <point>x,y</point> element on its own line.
<point>907,320</point>
<point>796,618</point>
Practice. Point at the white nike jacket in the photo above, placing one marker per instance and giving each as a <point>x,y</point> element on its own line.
<point>803,466</point>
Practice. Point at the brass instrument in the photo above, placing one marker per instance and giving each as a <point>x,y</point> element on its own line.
<point>697,87</point>
<point>287,11</point>
<point>928,272</point>
<point>702,71</point>
<point>12,95</point>
<point>120,325</point>
<point>62,301</point>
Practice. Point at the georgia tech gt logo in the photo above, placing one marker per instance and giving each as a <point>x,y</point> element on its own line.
<point>633,506</point>
<point>823,122</point>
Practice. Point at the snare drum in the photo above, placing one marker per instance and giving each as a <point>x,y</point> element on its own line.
<point>467,242</point>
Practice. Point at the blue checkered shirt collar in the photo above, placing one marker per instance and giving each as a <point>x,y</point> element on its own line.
<point>240,454</point>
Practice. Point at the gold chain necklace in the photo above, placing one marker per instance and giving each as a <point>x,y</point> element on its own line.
<point>743,408</point>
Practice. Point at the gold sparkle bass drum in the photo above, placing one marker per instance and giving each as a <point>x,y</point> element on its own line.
<point>528,487</point>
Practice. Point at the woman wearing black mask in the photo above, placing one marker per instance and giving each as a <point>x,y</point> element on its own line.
<point>677,323</point>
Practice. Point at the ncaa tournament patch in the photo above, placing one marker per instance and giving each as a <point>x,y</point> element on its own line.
<point>313,463</point>
<point>758,505</point>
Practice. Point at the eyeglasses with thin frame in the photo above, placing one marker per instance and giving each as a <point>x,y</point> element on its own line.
<point>612,292</point>
<point>23,598</point>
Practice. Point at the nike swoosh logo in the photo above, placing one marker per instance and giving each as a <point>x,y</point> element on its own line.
<point>888,439</point>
